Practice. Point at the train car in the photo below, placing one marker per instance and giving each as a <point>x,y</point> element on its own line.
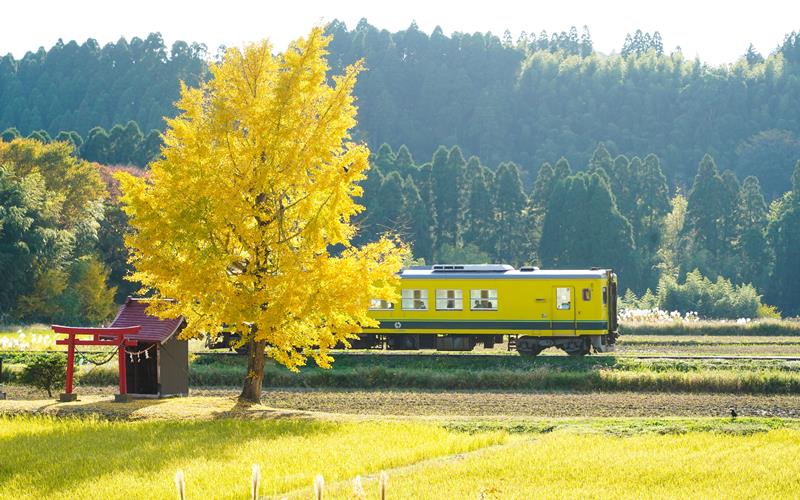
<point>454,307</point>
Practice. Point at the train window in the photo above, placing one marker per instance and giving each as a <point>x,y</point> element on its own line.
<point>449,300</point>
<point>563,298</point>
<point>380,305</point>
<point>587,294</point>
<point>605,295</point>
<point>414,299</point>
<point>483,300</point>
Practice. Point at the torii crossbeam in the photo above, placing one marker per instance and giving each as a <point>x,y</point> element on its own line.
<point>113,337</point>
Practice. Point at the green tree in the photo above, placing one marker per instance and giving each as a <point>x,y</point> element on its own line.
<point>583,228</point>
<point>769,154</point>
<point>384,159</point>
<point>403,160</point>
<point>149,149</point>
<point>601,162</point>
<point>752,245</point>
<point>445,172</point>
<point>97,146</point>
<point>75,184</point>
<point>10,134</point>
<point>671,250</point>
<point>72,137</point>
<point>705,216</point>
<point>466,254</point>
<point>79,295</point>
<point>543,186</point>
<point>31,240</point>
<point>419,220</point>
<point>784,236</point>
<point>650,205</point>
<point>510,203</point>
<point>390,215</point>
<point>480,214</point>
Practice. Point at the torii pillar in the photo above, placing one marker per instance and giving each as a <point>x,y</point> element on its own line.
<point>114,337</point>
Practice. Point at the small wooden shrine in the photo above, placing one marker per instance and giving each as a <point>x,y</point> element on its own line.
<point>153,362</point>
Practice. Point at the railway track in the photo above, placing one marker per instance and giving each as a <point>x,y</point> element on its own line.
<point>509,354</point>
<point>513,354</point>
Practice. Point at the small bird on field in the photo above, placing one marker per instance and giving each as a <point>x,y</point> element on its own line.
<point>733,413</point>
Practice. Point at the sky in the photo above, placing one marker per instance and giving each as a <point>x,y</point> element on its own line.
<point>716,31</point>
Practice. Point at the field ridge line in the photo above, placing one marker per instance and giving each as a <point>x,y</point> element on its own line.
<point>403,469</point>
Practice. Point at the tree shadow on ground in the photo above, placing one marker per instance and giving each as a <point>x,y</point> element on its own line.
<point>131,448</point>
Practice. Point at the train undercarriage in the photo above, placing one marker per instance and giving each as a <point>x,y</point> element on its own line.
<point>526,345</point>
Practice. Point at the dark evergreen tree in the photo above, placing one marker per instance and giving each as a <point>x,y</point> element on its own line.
<point>446,169</point>
<point>562,169</point>
<point>41,136</point>
<point>384,159</point>
<point>149,149</point>
<point>480,221</point>
<point>72,137</point>
<point>389,212</point>
<point>650,204</point>
<point>543,186</point>
<point>601,162</point>
<point>770,155</point>
<point>420,221</point>
<point>9,134</point>
<point>97,146</point>
<point>754,254</point>
<point>510,203</point>
<point>752,56</point>
<point>784,234</point>
<point>705,216</point>
<point>404,162</point>
<point>583,228</point>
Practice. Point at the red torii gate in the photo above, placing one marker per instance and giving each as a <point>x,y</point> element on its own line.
<point>113,337</point>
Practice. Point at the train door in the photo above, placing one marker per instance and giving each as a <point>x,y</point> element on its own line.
<point>563,312</point>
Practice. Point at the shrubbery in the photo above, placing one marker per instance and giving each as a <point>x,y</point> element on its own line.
<point>719,299</point>
<point>46,371</point>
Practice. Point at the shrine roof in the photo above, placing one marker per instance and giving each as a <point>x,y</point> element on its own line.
<point>133,313</point>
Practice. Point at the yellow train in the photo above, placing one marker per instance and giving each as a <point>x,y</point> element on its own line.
<point>453,307</point>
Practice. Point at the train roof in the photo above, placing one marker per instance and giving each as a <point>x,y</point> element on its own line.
<point>497,271</point>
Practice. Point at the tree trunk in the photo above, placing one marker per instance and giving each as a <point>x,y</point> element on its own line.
<point>251,392</point>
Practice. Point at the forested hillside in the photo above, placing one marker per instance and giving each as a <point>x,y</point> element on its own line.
<point>75,87</point>
<point>683,177</point>
<point>529,100</point>
<point>618,212</point>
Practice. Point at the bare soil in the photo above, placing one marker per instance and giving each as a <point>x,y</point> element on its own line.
<point>492,404</point>
<point>463,403</point>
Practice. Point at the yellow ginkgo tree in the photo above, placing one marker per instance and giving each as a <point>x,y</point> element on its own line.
<point>245,221</point>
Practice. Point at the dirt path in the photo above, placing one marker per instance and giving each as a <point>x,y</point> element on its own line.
<point>611,404</point>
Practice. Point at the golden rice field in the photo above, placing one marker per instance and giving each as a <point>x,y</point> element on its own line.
<point>87,458</point>
<point>565,465</point>
<point>91,458</point>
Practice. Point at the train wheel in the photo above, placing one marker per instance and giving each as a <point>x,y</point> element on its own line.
<point>577,348</point>
<point>528,346</point>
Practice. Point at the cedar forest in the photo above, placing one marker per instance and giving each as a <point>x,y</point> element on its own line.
<point>537,150</point>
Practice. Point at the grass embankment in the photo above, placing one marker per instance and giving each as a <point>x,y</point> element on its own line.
<point>93,458</point>
<point>762,328</point>
<point>718,345</point>
<point>432,371</point>
<point>518,373</point>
